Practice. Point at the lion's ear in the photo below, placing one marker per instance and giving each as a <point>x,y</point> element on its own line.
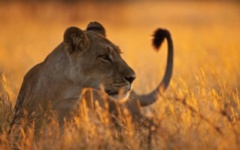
<point>75,40</point>
<point>96,27</point>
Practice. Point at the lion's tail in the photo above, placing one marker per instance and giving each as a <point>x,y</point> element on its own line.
<point>158,39</point>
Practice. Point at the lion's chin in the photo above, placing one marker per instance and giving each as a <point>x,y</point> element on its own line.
<point>121,97</point>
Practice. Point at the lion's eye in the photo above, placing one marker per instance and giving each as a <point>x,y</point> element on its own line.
<point>105,58</point>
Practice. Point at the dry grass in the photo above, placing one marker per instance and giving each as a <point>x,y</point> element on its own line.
<point>201,109</point>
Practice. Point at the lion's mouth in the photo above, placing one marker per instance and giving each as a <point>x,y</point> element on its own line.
<point>111,93</point>
<point>119,97</point>
<point>119,91</point>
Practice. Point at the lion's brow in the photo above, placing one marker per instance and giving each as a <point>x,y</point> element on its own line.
<point>118,50</point>
<point>115,47</point>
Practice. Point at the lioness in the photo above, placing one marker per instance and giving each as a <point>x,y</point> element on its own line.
<point>85,61</point>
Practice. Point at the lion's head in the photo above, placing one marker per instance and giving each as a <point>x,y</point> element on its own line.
<point>95,61</point>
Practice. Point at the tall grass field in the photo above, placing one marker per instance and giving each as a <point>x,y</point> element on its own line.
<point>201,108</point>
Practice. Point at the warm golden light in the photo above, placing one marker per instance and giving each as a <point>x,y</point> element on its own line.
<point>201,109</point>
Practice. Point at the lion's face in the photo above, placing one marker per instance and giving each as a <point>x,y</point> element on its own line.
<point>96,63</point>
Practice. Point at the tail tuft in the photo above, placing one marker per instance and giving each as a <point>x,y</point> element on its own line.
<point>158,38</point>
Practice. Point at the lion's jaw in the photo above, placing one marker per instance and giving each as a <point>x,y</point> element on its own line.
<point>121,94</point>
<point>121,97</point>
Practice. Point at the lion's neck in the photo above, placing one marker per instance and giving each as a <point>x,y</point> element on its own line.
<point>58,86</point>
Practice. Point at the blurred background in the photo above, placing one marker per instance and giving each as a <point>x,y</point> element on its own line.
<point>205,35</point>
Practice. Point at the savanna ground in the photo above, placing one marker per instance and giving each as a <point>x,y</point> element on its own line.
<point>200,110</point>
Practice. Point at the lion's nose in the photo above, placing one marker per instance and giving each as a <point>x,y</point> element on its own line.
<point>130,78</point>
